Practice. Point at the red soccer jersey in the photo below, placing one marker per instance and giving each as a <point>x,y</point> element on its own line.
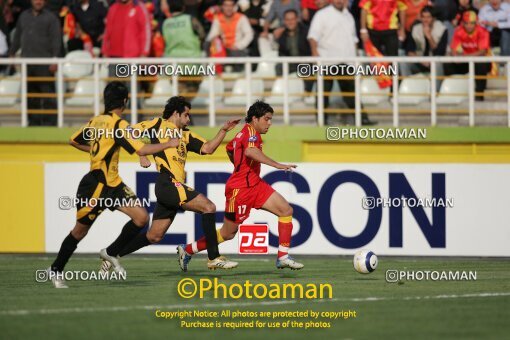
<point>464,42</point>
<point>246,171</point>
<point>382,14</point>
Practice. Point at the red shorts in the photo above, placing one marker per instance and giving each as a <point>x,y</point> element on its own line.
<point>239,202</point>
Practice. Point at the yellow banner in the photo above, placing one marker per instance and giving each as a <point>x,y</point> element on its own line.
<point>22,202</point>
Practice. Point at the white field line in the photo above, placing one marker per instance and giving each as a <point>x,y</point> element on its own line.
<point>21,312</point>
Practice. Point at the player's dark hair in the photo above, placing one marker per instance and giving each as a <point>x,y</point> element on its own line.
<point>258,109</point>
<point>115,95</point>
<point>176,103</point>
<point>223,1</point>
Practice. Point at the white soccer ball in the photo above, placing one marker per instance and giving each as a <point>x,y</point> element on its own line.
<point>365,261</point>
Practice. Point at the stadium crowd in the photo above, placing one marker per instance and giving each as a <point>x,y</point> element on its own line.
<point>188,28</point>
<point>197,28</point>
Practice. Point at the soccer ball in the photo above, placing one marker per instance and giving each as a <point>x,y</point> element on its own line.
<point>365,261</point>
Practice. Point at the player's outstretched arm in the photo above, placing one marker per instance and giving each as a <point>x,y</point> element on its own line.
<point>258,156</point>
<point>150,149</point>
<point>210,146</point>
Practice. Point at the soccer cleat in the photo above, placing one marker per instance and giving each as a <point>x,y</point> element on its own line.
<point>183,257</point>
<point>57,279</point>
<point>221,262</point>
<point>105,267</point>
<point>113,261</point>
<point>288,262</point>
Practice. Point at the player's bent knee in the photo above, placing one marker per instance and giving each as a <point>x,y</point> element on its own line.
<point>229,236</point>
<point>79,235</point>
<point>80,231</point>
<point>209,208</point>
<point>229,233</point>
<point>154,237</point>
<point>287,211</point>
<point>141,220</point>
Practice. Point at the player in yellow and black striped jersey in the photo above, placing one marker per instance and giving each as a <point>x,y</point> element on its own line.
<point>102,138</point>
<point>172,161</point>
<point>171,191</point>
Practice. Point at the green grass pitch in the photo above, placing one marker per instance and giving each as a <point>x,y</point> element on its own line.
<point>125,309</point>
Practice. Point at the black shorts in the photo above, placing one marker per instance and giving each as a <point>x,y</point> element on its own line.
<point>171,195</point>
<point>94,196</point>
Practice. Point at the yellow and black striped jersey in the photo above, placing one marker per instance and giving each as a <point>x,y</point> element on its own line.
<point>171,160</point>
<point>105,134</point>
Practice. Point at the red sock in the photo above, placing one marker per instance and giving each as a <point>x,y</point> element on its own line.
<point>201,244</point>
<point>197,246</point>
<point>284,235</point>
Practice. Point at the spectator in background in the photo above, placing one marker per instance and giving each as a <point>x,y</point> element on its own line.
<point>294,40</point>
<point>234,30</point>
<point>127,35</point>
<point>254,13</point>
<point>293,43</point>
<point>308,10</point>
<point>128,31</point>
<point>90,15</point>
<point>470,39</point>
<point>380,24</point>
<point>276,12</point>
<point>38,34</point>
<point>450,12</point>
<point>333,34</point>
<point>494,16</point>
<point>183,36</point>
<point>183,33</point>
<point>429,37</point>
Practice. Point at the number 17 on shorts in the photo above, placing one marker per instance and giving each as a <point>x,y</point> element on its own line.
<point>253,239</point>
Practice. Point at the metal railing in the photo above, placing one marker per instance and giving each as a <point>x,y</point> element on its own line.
<point>248,75</point>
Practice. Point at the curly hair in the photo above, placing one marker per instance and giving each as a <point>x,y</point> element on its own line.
<point>258,110</point>
<point>176,103</point>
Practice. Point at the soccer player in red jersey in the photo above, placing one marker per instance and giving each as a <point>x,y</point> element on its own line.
<point>246,190</point>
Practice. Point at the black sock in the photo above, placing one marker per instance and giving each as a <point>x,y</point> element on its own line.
<point>138,242</point>
<point>209,228</point>
<point>127,234</point>
<point>64,254</point>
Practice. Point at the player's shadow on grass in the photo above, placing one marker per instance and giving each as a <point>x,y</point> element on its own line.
<point>227,274</point>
